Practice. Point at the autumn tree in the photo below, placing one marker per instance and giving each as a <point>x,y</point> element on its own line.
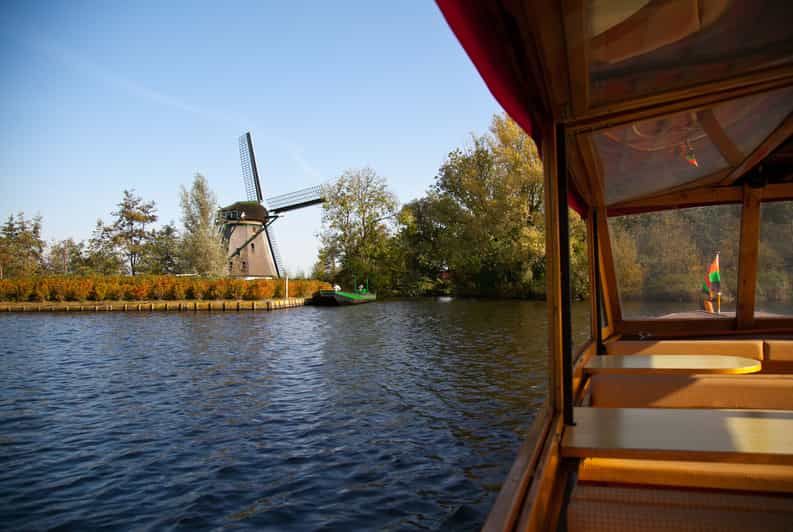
<point>356,220</point>
<point>203,251</point>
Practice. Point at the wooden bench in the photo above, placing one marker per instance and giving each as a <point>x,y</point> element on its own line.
<point>764,392</point>
<point>672,364</point>
<point>737,436</point>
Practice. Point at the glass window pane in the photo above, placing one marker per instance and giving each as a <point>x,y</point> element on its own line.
<point>775,261</point>
<point>640,47</point>
<point>659,153</point>
<point>661,260</point>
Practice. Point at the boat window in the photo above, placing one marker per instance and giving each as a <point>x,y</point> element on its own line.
<point>643,47</point>
<point>774,295</point>
<point>656,154</point>
<point>662,259</point>
<point>581,312</point>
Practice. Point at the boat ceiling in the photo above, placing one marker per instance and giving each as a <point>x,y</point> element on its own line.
<point>660,96</point>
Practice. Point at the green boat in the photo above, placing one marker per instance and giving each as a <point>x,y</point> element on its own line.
<point>338,297</point>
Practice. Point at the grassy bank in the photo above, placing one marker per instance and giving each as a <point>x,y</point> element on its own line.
<point>149,288</point>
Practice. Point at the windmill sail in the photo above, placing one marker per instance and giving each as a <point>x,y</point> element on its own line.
<point>275,252</point>
<point>250,174</point>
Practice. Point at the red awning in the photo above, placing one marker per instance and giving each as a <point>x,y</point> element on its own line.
<point>488,35</point>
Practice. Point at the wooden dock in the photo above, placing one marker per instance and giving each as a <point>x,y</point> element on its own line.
<point>151,306</point>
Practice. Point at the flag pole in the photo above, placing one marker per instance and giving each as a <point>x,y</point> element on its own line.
<point>718,294</point>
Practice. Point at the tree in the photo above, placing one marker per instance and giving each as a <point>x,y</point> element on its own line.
<point>128,232</point>
<point>67,257</point>
<point>203,251</point>
<point>21,247</point>
<point>355,219</point>
<point>162,252</point>
<point>101,255</point>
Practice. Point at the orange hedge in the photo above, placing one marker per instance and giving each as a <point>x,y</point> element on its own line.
<point>149,287</point>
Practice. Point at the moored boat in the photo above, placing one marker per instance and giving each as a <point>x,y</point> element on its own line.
<point>339,297</point>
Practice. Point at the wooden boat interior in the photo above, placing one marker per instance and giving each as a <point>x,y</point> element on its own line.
<point>650,108</point>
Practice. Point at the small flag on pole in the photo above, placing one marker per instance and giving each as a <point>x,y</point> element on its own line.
<point>712,284</point>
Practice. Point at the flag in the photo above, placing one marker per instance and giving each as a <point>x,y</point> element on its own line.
<point>712,282</point>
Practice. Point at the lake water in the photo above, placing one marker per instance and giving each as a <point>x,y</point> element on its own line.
<point>392,415</point>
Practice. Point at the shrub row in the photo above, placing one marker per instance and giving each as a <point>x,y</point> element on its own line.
<point>149,287</point>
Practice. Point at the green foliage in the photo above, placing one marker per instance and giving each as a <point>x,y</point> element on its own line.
<point>203,251</point>
<point>356,220</point>
<point>21,247</point>
<point>128,232</point>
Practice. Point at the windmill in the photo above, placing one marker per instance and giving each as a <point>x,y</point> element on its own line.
<point>246,225</point>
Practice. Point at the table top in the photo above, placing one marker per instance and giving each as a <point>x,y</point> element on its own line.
<point>706,435</point>
<point>721,364</point>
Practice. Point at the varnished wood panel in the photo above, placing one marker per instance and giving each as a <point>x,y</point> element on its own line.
<point>747,257</point>
<point>740,436</point>
<point>672,364</point>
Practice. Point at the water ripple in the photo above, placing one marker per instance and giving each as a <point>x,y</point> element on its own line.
<point>389,416</point>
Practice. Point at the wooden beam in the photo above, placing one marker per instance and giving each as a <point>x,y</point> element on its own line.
<point>577,39</point>
<point>539,507</point>
<point>778,191</point>
<point>780,135</point>
<point>704,195</point>
<point>672,328</point>
<point>747,258</point>
<point>693,98</point>
<point>731,153</point>
<point>552,273</point>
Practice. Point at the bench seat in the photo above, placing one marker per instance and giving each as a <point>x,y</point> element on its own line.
<point>764,392</point>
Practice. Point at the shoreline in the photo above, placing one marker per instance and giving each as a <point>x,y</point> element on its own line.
<point>222,305</point>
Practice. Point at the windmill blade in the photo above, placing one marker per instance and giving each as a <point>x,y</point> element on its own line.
<point>274,250</point>
<point>296,200</point>
<point>250,174</point>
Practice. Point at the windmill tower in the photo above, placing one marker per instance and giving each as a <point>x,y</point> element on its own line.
<point>247,231</point>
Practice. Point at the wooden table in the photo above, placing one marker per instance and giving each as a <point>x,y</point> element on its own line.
<point>690,364</point>
<point>705,435</point>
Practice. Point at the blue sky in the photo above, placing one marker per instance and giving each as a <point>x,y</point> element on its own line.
<point>96,97</point>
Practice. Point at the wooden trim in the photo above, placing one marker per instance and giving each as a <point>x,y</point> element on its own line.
<point>538,509</point>
<point>506,509</point>
<point>583,356</point>
<point>579,173</point>
<point>747,258</point>
<point>666,328</point>
<point>592,256</point>
<point>777,137</point>
<point>731,153</point>
<point>574,27</point>
<point>771,325</point>
<point>553,273</point>
<point>608,276</point>
<point>778,192</point>
<point>592,167</point>
<point>693,98</point>
<point>549,41</point>
<point>704,195</point>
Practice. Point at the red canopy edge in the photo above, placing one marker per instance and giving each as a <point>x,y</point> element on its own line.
<point>477,27</point>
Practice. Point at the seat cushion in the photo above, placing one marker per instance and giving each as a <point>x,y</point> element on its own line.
<point>738,348</point>
<point>769,392</point>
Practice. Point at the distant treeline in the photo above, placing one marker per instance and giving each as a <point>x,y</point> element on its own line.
<point>663,256</point>
<point>149,287</point>
<point>480,231</point>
